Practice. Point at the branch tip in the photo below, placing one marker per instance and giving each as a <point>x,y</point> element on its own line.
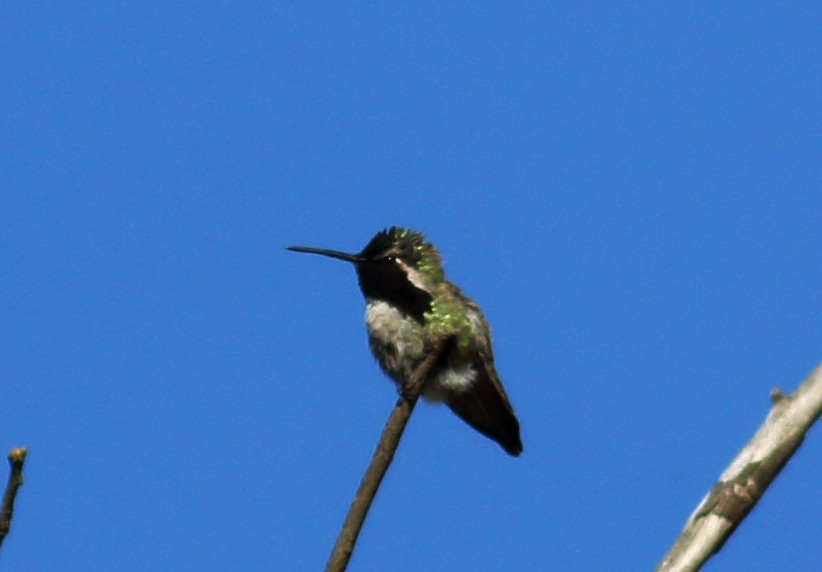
<point>18,455</point>
<point>16,459</point>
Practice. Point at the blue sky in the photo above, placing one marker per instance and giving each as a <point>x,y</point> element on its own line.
<point>630,190</point>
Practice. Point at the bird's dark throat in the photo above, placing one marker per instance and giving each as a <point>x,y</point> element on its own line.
<point>388,282</point>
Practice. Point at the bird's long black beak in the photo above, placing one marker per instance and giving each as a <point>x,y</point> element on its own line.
<point>355,258</point>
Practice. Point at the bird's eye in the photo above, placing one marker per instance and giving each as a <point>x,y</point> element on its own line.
<point>389,258</point>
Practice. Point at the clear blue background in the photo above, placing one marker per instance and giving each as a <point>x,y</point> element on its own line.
<point>632,191</point>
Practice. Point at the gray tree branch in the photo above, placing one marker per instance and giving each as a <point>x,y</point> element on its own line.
<point>16,459</point>
<point>747,478</point>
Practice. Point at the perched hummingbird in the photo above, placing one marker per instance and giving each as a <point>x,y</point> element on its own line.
<point>409,306</point>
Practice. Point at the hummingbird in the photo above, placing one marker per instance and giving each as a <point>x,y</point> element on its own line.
<point>410,306</point>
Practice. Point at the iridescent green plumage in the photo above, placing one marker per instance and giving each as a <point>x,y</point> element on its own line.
<point>449,318</point>
<point>413,246</point>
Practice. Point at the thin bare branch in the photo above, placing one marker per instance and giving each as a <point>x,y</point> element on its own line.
<point>747,477</point>
<point>384,454</point>
<point>16,459</point>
